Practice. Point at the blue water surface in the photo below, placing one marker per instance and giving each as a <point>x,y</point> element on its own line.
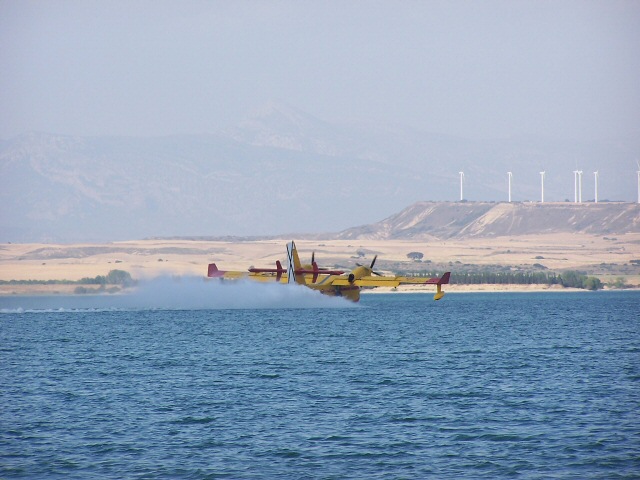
<point>535,385</point>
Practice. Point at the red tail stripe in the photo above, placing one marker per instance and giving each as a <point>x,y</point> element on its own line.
<point>213,271</point>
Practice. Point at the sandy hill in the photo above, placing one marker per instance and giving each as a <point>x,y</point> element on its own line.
<point>446,220</point>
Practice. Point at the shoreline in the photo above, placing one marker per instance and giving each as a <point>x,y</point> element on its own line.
<point>490,288</point>
<point>69,290</point>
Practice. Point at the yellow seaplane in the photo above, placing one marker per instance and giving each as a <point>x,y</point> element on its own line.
<point>329,282</point>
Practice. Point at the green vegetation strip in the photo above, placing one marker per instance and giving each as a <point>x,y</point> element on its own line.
<point>114,277</point>
<point>570,278</point>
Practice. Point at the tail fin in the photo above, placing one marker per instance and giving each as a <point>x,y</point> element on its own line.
<point>443,280</point>
<point>213,271</point>
<point>294,265</point>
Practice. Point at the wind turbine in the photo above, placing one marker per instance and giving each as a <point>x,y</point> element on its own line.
<point>510,175</point>
<point>575,186</point>
<point>595,175</point>
<point>461,180</point>
<point>542,186</point>
<point>579,186</point>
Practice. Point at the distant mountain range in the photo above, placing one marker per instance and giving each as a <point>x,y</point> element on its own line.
<point>279,171</point>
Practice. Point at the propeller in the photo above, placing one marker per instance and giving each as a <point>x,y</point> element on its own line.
<point>373,262</point>
<point>315,267</point>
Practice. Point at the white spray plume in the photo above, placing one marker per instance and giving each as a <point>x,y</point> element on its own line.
<point>193,293</point>
<point>186,293</point>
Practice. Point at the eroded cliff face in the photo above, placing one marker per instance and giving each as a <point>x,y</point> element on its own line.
<point>481,219</point>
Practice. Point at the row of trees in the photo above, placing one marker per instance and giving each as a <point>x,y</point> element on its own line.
<point>569,278</point>
<point>114,277</point>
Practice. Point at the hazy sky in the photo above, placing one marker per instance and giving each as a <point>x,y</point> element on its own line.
<point>471,68</point>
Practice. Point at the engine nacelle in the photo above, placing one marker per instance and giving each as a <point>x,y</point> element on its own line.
<point>358,272</point>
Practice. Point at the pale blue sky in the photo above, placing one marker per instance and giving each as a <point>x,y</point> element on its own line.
<point>567,69</point>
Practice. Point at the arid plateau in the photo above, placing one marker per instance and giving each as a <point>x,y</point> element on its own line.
<point>604,257</point>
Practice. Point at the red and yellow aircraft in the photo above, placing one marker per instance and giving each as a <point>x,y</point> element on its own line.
<point>330,282</point>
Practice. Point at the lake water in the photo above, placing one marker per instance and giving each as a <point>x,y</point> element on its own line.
<point>192,385</point>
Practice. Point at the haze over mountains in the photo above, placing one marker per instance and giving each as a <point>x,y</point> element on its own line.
<point>279,171</point>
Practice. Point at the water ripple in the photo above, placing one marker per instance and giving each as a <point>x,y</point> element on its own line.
<point>476,386</point>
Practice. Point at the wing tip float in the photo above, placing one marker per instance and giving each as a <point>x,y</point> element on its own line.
<point>328,282</point>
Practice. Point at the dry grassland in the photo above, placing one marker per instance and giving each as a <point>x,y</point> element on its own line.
<point>603,256</point>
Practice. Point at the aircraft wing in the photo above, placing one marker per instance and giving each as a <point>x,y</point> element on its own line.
<point>384,281</point>
<point>444,279</point>
<point>261,275</point>
<point>278,274</point>
<point>367,281</point>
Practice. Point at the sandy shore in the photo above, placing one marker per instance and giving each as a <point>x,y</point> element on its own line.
<point>404,289</point>
<point>488,287</point>
<point>606,257</point>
